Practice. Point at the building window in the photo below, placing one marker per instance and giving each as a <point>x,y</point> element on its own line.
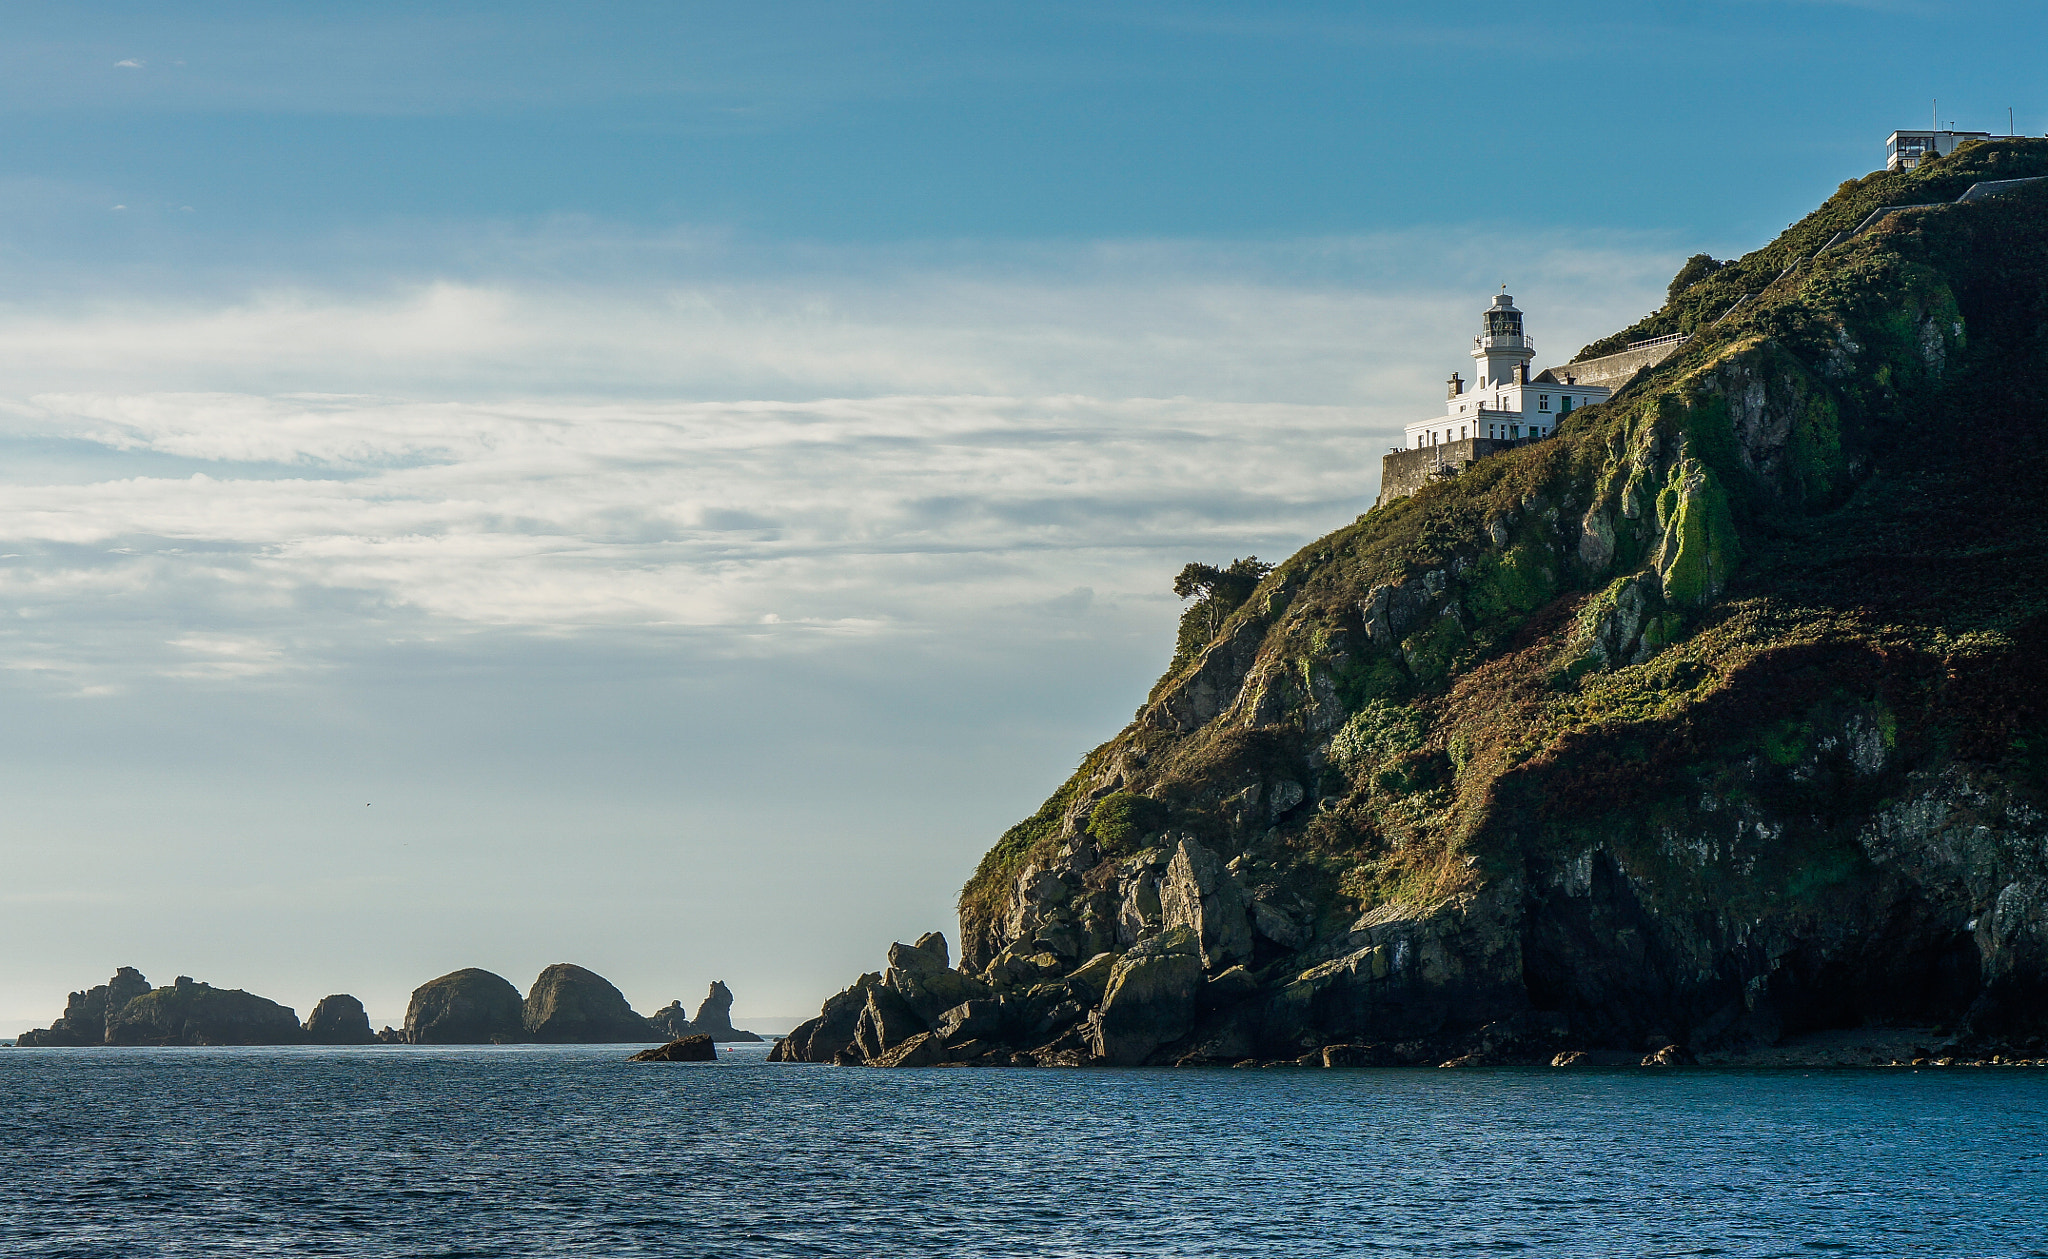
<point>1542,402</point>
<point>1514,430</point>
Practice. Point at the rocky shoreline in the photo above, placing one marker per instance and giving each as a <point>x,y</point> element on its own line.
<point>567,1004</point>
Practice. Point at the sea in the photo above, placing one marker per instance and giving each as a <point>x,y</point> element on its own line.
<point>488,1151</point>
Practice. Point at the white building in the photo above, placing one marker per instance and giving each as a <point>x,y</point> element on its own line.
<point>1503,402</point>
<point>1903,150</point>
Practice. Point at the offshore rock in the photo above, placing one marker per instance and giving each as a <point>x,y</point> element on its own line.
<point>672,1021</point>
<point>714,1016</point>
<point>466,1007</point>
<point>696,1048</point>
<point>84,1021</point>
<point>191,1013</point>
<point>571,1005</point>
<point>339,1020</point>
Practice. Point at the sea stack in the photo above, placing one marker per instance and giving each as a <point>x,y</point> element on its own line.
<point>339,1020</point>
<point>465,1007</point>
<point>714,1016</point>
<point>571,1005</point>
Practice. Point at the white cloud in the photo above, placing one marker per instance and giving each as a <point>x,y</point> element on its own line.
<point>131,64</point>
<point>664,457</point>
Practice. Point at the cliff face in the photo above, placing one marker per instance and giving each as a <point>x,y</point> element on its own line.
<point>1720,716</point>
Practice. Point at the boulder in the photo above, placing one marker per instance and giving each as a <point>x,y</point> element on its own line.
<point>682,1049</point>
<point>1200,894</point>
<point>192,1013</point>
<point>1151,998</point>
<point>339,1020</point>
<point>714,1016</point>
<point>569,1005</point>
<point>465,1007</point>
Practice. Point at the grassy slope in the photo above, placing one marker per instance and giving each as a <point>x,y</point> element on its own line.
<point>1885,565</point>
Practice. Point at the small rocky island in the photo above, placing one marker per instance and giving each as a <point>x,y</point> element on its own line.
<point>567,1004</point>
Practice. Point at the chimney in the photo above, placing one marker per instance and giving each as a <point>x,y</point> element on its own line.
<point>1457,384</point>
<point>1521,373</point>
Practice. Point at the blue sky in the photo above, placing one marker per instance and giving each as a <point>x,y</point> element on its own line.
<point>662,486</point>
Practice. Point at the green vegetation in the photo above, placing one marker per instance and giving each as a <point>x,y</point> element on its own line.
<point>1821,541</point>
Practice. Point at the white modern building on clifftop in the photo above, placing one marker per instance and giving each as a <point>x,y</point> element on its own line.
<point>1504,402</point>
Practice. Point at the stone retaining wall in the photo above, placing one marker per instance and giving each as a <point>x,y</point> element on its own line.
<point>1614,370</point>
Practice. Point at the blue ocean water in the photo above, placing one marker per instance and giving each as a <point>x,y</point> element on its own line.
<point>572,1151</point>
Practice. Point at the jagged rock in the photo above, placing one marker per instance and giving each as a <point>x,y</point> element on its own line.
<point>1669,1056</point>
<point>970,1019</point>
<point>921,1050</point>
<point>672,1021</point>
<point>825,1038</point>
<point>1020,966</point>
<point>465,1007</point>
<point>919,974</point>
<point>714,1016</point>
<point>570,1005</point>
<point>1151,998</point>
<point>1090,980</point>
<point>191,1013</point>
<point>339,1020</point>
<point>1570,1058</point>
<point>682,1049</point>
<point>885,1022</point>
<point>1200,895</point>
<point>84,1021</point>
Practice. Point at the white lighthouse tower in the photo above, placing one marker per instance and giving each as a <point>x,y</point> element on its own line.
<point>1501,347</point>
<point>1507,403</point>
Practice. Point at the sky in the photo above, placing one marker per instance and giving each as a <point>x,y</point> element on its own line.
<point>663,486</point>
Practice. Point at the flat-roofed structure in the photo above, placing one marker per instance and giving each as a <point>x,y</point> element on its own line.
<point>1903,150</point>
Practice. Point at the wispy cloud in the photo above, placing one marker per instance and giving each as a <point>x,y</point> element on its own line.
<point>663,457</point>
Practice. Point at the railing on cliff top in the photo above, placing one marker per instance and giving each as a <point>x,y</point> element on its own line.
<point>1675,338</point>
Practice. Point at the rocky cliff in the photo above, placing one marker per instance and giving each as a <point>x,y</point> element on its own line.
<point>1720,717</point>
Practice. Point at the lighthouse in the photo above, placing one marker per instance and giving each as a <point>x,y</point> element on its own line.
<point>1505,402</point>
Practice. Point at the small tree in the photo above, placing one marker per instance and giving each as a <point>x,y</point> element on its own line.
<point>1217,593</point>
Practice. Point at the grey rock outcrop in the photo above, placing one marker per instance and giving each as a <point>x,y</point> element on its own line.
<point>1150,1000</point>
<point>465,1007</point>
<point>571,1005</point>
<point>1200,895</point>
<point>339,1020</point>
